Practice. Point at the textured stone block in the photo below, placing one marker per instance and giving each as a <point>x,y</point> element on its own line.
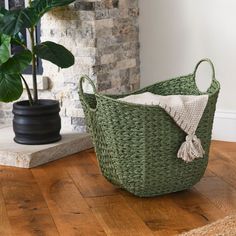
<point>107,58</point>
<point>128,63</point>
<point>24,156</point>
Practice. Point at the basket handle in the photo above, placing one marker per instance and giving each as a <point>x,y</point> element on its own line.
<point>82,80</point>
<point>199,63</point>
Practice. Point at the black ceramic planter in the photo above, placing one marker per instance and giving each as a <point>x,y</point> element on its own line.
<point>38,124</point>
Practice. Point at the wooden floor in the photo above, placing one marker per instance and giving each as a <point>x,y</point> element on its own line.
<point>70,197</point>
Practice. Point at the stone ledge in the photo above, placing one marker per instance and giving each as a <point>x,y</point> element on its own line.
<point>24,156</point>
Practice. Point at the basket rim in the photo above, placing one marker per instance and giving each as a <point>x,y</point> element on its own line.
<point>109,96</point>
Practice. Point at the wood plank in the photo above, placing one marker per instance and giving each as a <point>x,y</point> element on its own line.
<point>27,211</point>
<point>209,173</point>
<point>69,210</point>
<point>5,228</point>
<point>49,201</point>
<point>223,161</point>
<point>224,168</point>
<point>196,204</point>
<point>225,151</point>
<point>218,192</point>
<point>87,176</point>
<point>174,213</point>
<point>220,146</point>
<point>116,217</point>
<point>213,154</point>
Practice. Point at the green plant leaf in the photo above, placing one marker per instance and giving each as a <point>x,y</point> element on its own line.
<point>4,48</point>
<point>18,63</point>
<point>43,6</point>
<point>3,12</point>
<point>55,53</point>
<point>10,87</point>
<point>14,21</point>
<point>18,39</point>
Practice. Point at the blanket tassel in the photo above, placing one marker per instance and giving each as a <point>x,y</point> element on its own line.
<point>191,149</point>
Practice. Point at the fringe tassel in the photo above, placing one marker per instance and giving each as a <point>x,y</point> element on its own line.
<point>191,149</point>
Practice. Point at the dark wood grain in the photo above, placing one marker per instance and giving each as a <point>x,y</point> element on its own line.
<point>26,208</point>
<point>5,228</point>
<point>117,218</point>
<point>69,210</point>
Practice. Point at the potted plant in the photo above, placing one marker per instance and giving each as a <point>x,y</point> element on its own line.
<point>36,121</point>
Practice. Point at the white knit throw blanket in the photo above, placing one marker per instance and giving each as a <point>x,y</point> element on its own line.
<point>186,111</point>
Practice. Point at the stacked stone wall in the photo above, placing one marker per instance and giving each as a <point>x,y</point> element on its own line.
<point>103,36</point>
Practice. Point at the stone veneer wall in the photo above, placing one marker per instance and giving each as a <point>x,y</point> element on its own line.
<point>103,36</point>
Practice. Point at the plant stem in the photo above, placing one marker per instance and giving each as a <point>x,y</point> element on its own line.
<point>21,44</point>
<point>28,91</point>
<point>34,66</point>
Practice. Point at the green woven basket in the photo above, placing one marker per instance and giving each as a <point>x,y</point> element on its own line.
<point>137,145</point>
